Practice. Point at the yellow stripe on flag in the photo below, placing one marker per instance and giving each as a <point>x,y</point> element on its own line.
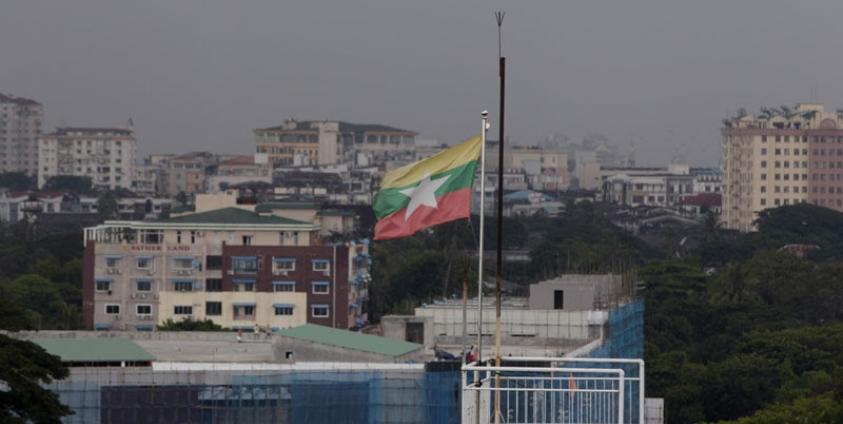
<point>445,160</point>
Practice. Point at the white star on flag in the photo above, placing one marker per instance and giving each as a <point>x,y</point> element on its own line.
<point>423,194</point>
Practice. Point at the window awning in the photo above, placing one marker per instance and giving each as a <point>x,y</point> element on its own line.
<point>102,326</point>
<point>283,259</point>
<point>184,258</point>
<point>143,280</point>
<point>243,281</point>
<point>114,256</point>
<point>283,305</point>
<point>319,306</point>
<point>283,283</point>
<point>144,257</point>
<point>109,279</point>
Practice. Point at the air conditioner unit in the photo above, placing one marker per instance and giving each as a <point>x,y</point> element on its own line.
<point>326,272</point>
<point>279,272</point>
<point>134,295</point>
<point>142,295</point>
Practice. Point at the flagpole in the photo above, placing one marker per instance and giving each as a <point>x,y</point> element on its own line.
<point>485,117</point>
<point>499,203</point>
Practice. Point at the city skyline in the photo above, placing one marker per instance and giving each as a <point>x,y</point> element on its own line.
<point>202,78</point>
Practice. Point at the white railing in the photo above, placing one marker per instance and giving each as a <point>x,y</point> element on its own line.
<point>554,390</point>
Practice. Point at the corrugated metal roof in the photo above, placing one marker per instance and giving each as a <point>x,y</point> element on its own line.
<point>95,350</point>
<point>349,340</point>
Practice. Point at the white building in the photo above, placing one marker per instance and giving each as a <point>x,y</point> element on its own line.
<point>107,155</point>
<point>20,127</point>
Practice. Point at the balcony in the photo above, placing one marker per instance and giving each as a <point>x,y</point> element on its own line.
<point>554,390</point>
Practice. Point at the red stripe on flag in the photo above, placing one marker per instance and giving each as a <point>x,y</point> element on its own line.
<point>451,206</point>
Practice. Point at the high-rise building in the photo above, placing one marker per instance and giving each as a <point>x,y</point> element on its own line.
<point>781,157</point>
<point>300,143</point>
<point>20,127</point>
<point>106,155</point>
<point>236,267</point>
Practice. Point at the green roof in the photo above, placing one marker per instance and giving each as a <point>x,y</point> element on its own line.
<point>230,215</point>
<point>349,340</point>
<point>270,206</point>
<point>95,350</point>
<point>336,212</point>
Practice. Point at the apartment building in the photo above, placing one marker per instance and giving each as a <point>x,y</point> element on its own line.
<point>240,169</point>
<point>106,155</point>
<point>780,157</point>
<point>235,267</point>
<point>542,168</point>
<point>20,127</point>
<point>187,173</point>
<point>301,143</point>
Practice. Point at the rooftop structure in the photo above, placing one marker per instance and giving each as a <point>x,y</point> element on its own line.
<point>96,352</point>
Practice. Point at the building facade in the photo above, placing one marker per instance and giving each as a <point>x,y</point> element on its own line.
<point>106,155</point>
<point>301,143</point>
<point>781,157</point>
<point>235,267</point>
<point>20,127</point>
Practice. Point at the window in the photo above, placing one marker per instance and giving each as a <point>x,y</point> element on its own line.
<point>244,264</point>
<point>244,311</point>
<point>763,189</point>
<point>321,287</point>
<point>244,285</point>
<point>143,285</point>
<point>183,310</point>
<point>763,163</point>
<point>764,151</point>
<point>283,264</point>
<point>183,286</point>
<point>322,265</point>
<point>103,285</point>
<point>213,308</point>
<point>143,309</point>
<point>247,240</point>
<point>213,285</point>
<point>178,237</point>
<point>213,262</point>
<point>283,286</point>
<point>763,177</point>
<point>183,262</point>
<point>319,311</point>
<point>283,309</point>
<point>144,262</point>
<point>763,202</point>
<point>559,299</point>
<point>112,261</point>
<point>112,309</point>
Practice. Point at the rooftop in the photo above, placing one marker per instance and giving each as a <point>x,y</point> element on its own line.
<point>92,131</point>
<point>21,101</point>
<point>229,215</point>
<point>271,206</point>
<point>239,160</point>
<point>349,340</point>
<point>346,127</point>
<point>95,350</point>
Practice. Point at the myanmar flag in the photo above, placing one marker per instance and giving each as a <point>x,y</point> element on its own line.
<point>426,193</point>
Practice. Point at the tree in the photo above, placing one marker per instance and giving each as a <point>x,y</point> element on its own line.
<point>107,206</point>
<point>16,181</point>
<point>26,367</point>
<point>189,324</point>
<point>71,183</point>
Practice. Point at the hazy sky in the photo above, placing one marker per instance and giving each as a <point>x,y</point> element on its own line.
<point>201,74</point>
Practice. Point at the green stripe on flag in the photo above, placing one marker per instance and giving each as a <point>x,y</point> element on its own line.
<point>391,200</point>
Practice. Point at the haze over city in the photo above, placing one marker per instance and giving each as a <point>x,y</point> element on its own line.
<point>200,75</point>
